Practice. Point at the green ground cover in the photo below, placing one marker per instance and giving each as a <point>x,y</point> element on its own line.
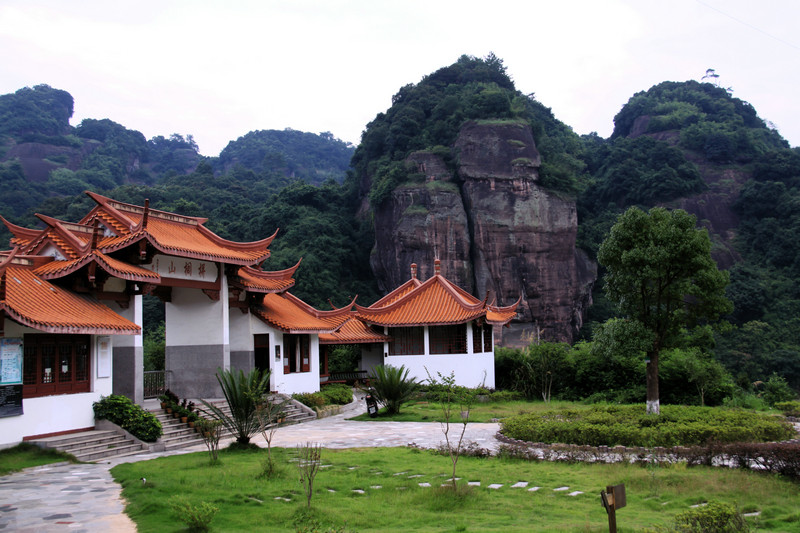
<point>424,411</point>
<point>392,499</point>
<point>28,455</point>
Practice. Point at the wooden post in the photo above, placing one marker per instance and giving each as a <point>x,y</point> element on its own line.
<point>613,498</point>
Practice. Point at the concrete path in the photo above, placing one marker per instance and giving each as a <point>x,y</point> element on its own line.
<point>84,498</point>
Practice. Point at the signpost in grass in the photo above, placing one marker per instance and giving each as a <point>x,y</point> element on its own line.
<point>613,498</point>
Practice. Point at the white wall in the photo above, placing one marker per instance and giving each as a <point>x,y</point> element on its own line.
<point>371,356</point>
<point>54,414</point>
<point>294,382</point>
<point>469,369</point>
<point>194,319</point>
<point>241,332</point>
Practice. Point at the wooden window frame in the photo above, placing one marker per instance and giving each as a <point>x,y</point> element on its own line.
<point>68,358</point>
<point>296,353</point>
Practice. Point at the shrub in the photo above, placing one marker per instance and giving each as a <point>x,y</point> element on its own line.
<point>628,425</point>
<point>196,517</point>
<point>337,394</point>
<point>776,389</point>
<point>714,517</point>
<point>788,408</point>
<point>310,399</point>
<point>506,396</point>
<point>129,416</point>
<point>392,386</point>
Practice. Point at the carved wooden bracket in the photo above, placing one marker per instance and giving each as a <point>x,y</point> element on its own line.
<point>212,294</point>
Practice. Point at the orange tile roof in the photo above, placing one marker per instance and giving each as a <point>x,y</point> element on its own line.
<point>292,315</point>
<point>437,301</point>
<point>434,302</point>
<point>255,280</point>
<point>115,267</point>
<point>398,293</point>
<point>20,236</point>
<point>170,233</point>
<point>33,302</point>
<point>353,331</point>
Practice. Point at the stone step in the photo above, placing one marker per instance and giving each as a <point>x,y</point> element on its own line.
<point>130,448</point>
<point>77,439</point>
<point>93,445</point>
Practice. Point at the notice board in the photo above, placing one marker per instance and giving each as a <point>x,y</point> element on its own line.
<point>10,377</point>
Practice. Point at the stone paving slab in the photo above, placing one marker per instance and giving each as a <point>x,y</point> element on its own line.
<point>62,497</point>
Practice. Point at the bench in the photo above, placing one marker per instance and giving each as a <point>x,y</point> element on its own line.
<point>346,377</point>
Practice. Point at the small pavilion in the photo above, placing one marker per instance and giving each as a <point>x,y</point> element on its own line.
<point>430,327</point>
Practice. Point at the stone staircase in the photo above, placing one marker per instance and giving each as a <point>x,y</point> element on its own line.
<point>176,434</point>
<point>93,445</point>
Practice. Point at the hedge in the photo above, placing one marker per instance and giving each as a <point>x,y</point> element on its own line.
<point>129,416</point>
<point>629,425</point>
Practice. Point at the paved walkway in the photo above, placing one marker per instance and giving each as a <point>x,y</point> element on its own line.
<point>84,498</point>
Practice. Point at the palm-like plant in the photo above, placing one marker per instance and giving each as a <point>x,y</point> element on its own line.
<point>244,394</point>
<point>392,387</point>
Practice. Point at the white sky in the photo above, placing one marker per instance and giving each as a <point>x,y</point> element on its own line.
<point>219,69</point>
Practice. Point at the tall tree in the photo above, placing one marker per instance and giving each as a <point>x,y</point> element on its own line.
<point>660,274</point>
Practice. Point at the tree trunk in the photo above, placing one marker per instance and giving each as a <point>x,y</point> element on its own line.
<point>653,407</point>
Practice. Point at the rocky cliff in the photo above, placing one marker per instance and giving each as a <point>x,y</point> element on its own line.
<point>495,229</point>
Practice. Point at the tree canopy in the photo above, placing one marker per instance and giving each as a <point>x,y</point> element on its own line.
<point>661,275</point>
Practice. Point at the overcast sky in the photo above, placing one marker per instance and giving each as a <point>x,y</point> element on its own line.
<point>218,70</point>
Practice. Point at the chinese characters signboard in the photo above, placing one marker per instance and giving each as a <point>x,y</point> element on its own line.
<point>169,266</point>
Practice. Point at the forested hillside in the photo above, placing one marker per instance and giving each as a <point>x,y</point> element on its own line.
<point>685,145</point>
<point>694,146</point>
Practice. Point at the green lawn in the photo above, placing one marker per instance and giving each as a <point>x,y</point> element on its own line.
<point>422,411</point>
<point>392,499</point>
<point>28,455</point>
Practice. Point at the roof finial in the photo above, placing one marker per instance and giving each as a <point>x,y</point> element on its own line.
<point>437,267</point>
<point>95,234</point>
<point>146,212</point>
<point>413,271</point>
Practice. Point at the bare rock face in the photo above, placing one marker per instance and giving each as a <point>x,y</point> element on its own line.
<point>495,230</point>
<point>420,223</point>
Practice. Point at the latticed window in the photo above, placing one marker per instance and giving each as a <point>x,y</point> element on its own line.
<point>55,364</point>
<point>407,341</point>
<point>448,339</point>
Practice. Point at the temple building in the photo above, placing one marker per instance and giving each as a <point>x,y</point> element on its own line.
<point>71,315</point>
<point>432,327</point>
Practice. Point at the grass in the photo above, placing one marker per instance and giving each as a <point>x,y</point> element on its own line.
<point>26,455</point>
<point>392,499</point>
<point>422,411</point>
